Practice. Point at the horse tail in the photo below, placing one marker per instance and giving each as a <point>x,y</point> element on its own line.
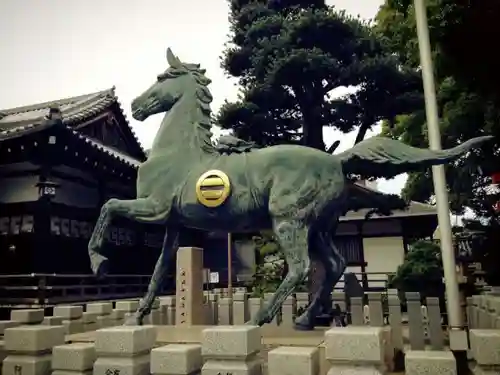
<point>385,157</point>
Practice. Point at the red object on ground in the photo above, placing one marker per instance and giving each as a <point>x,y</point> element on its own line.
<point>495,178</point>
<point>496,206</point>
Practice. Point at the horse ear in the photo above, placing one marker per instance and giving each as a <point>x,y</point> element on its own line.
<point>172,60</point>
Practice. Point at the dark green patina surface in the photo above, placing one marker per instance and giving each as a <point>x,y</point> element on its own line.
<point>296,191</point>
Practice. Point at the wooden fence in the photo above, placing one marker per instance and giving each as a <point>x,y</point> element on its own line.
<point>34,290</point>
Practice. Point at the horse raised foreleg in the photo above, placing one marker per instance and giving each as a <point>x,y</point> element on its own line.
<point>323,249</point>
<point>134,209</point>
<point>292,236</point>
<point>170,246</point>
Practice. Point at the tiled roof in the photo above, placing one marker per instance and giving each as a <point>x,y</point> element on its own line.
<point>108,150</point>
<point>18,121</point>
<point>75,109</point>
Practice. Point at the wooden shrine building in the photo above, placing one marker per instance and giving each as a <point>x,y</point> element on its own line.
<point>54,177</point>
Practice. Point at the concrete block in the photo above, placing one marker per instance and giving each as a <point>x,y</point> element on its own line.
<point>28,316</point>
<point>89,317</point>
<point>484,346</point>
<point>89,327</point>
<point>253,367</point>
<point>117,314</point>
<point>4,324</point>
<point>33,339</point>
<point>288,360</point>
<point>122,366</point>
<point>74,357</point>
<point>231,341</point>
<point>127,306</point>
<point>68,312</point>
<point>125,340</point>
<point>3,352</point>
<point>52,321</point>
<point>420,362</point>
<point>73,326</point>
<point>66,372</point>
<point>101,308</point>
<point>176,359</point>
<point>359,344</point>
<point>104,321</point>
<point>26,365</point>
<point>355,370</point>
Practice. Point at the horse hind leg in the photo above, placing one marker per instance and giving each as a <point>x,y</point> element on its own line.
<point>292,236</point>
<point>323,249</point>
<point>132,209</point>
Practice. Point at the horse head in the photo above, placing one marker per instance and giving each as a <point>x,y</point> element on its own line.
<point>178,80</point>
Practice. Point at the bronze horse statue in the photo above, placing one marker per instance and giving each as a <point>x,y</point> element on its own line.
<point>298,192</point>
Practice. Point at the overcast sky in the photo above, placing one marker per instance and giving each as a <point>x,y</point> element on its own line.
<point>51,49</point>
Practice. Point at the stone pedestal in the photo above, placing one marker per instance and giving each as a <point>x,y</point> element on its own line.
<point>124,350</point>
<point>89,320</point>
<point>27,316</point>
<point>73,359</point>
<point>189,287</point>
<point>254,305</point>
<point>240,309</point>
<point>231,350</point>
<point>485,344</point>
<point>293,361</point>
<point>424,362</point>
<point>127,306</point>
<point>117,317</point>
<point>364,349</point>
<point>224,311</point>
<point>176,359</point>
<point>287,312</point>
<point>4,324</point>
<point>154,317</point>
<point>103,311</point>
<point>72,318</point>
<point>52,321</point>
<point>29,349</point>
<point>167,307</point>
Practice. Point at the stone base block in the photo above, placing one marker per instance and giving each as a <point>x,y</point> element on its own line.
<point>101,308</point>
<point>419,362</point>
<point>127,306</point>
<point>212,367</point>
<point>67,372</point>
<point>231,341</point>
<point>355,370</point>
<point>33,339</point>
<point>104,321</point>
<point>74,357</point>
<point>4,324</point>
<point>3,352</point>
<point>484,346</point>
<point>176,359</point>
<point>28,316</point>
<point>73,326</point>
<point>123,366</point>
<point>68,312</point>
<point>26,365</point>
<point>355,344</point>
<point>485,370</point>
<point>88,317</point>
<point>153,318</point>
<point>52,321</point>
<point>293,361</point>
<point>89,327</point>
<point>125,340</point>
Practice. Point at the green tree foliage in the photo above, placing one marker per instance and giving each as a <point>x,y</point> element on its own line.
<point>290,54</point>
<point>467,106</point>
<point>421,271</point>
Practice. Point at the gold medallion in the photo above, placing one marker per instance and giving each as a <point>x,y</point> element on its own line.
<point>213,188</point>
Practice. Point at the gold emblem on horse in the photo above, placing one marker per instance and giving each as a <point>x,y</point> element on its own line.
<point>213,188</point>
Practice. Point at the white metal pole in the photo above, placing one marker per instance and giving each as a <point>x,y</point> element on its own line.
<point>455,318</point>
